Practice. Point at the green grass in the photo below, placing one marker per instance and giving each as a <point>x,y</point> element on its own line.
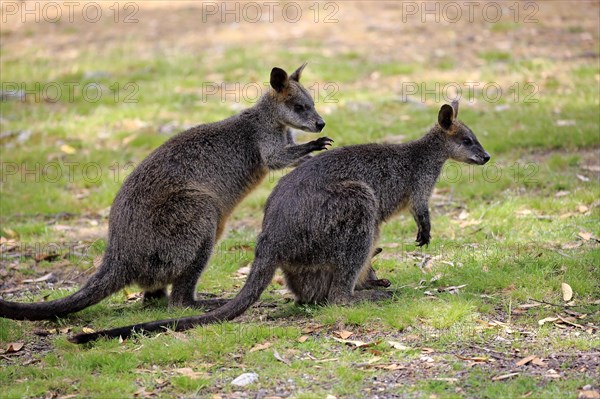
<point>517,243</point>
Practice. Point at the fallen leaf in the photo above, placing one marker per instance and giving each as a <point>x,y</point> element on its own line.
<point>190,373</point>
<point>582,177</point>
<point>585,235</point>
<point>547,320</point>
<point>562,194</point>
<point>40,279</point>
<point>427,350</point>
<point>476,359</point>
<point>565,122</point>
<point>311,328</point>
<point>343,334</point>
<point>14,347</point>
<point>245,379</point>
<point>303,338</point>
<point>398,345</point>
<point>525,360</point>
<point>538,362</point>
<point>281,359</point>
<point>260,347</point>
<point>582,209</point>
<point>67,149</point>
<point>87,330</point>
<point>567,292</point>
<point>358,344</point>
<point>588,394</point>
<point>504,376</point>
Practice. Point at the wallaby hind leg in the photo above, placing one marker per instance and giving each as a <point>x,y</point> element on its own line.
<point>183,293</point>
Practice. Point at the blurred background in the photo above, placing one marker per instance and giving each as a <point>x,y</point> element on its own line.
<point>93,83</point>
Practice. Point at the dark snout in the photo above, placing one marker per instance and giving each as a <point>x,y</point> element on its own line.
<point>486,158</point>
<point>479,158</point>
<point>320,125</point>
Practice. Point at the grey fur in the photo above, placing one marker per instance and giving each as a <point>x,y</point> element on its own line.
<point>322,220</point>
<point>171,210</point>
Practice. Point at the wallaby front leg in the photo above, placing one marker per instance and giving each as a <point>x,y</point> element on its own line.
<point>421,215</point>
<point>290,154</point>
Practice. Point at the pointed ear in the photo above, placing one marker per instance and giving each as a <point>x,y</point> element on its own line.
<point>279,79</point>
<point>455,106</point>
<point>298,73</point>
<point>446,116</point>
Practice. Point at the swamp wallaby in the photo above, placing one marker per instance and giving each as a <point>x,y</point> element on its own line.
<point>171,210</point>
<point>322,219</point>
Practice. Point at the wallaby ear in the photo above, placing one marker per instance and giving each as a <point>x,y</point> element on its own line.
<point>298,73</point>
<point>455,106</point>
<point>446,116</point>
<point>279,79</point>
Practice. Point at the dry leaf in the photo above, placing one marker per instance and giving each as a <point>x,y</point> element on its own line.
<point>40,279</point>
<point>476,359</point>
<point>67,149</point>
<point>303,338</point>
<point>398,345</point>
<point>547,320</point>
<point>538,362</point>
<point>588,394</point>
<point>260,347</point>
<point>87,330</point>
<point>312,328</point>
<point>245,379</point>
<point>585,235</point>
<point>14,347</point>
<point>358,344</point>
<point>567,292</point>
<point>505,376</point>
<point>525,360</point>
<point>427,350</point>
<point>582,209</point>
<point>281,359</point>
<point>343,334</point>
<point>190,373</point>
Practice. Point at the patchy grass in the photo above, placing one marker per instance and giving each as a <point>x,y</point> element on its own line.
<point>508,234</point>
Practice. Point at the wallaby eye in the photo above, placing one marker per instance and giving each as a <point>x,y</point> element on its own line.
<point>467,141</point>
<point>298,108</point>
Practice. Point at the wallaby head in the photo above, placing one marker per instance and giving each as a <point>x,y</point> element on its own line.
<point>294,106</point>
<point>461,142</point>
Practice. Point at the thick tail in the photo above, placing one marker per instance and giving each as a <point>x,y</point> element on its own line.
<point>98,287</point>
<point>258,280</point>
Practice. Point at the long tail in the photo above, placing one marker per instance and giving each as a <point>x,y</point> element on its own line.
<point>258,280</point>
<point>98,287</point>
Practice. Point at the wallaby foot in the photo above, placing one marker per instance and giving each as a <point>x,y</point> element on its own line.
<point>154,296</point>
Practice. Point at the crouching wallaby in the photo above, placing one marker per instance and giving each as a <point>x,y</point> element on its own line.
<point>322,220</point>
<point>171,210</point>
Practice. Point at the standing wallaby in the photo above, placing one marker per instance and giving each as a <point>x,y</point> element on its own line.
<point>322,219</point>
<point>171,210</point>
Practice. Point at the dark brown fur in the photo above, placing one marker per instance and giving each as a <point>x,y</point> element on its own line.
<point>322,220</point>
<point>171,210</point>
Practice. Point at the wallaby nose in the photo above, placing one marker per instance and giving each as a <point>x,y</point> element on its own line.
<point>320,125</point>
<point>486,157</point>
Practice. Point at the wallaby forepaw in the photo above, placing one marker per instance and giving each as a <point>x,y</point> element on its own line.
<point>423,239</point>
<point>382,282</point>
<point>321,143</point>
